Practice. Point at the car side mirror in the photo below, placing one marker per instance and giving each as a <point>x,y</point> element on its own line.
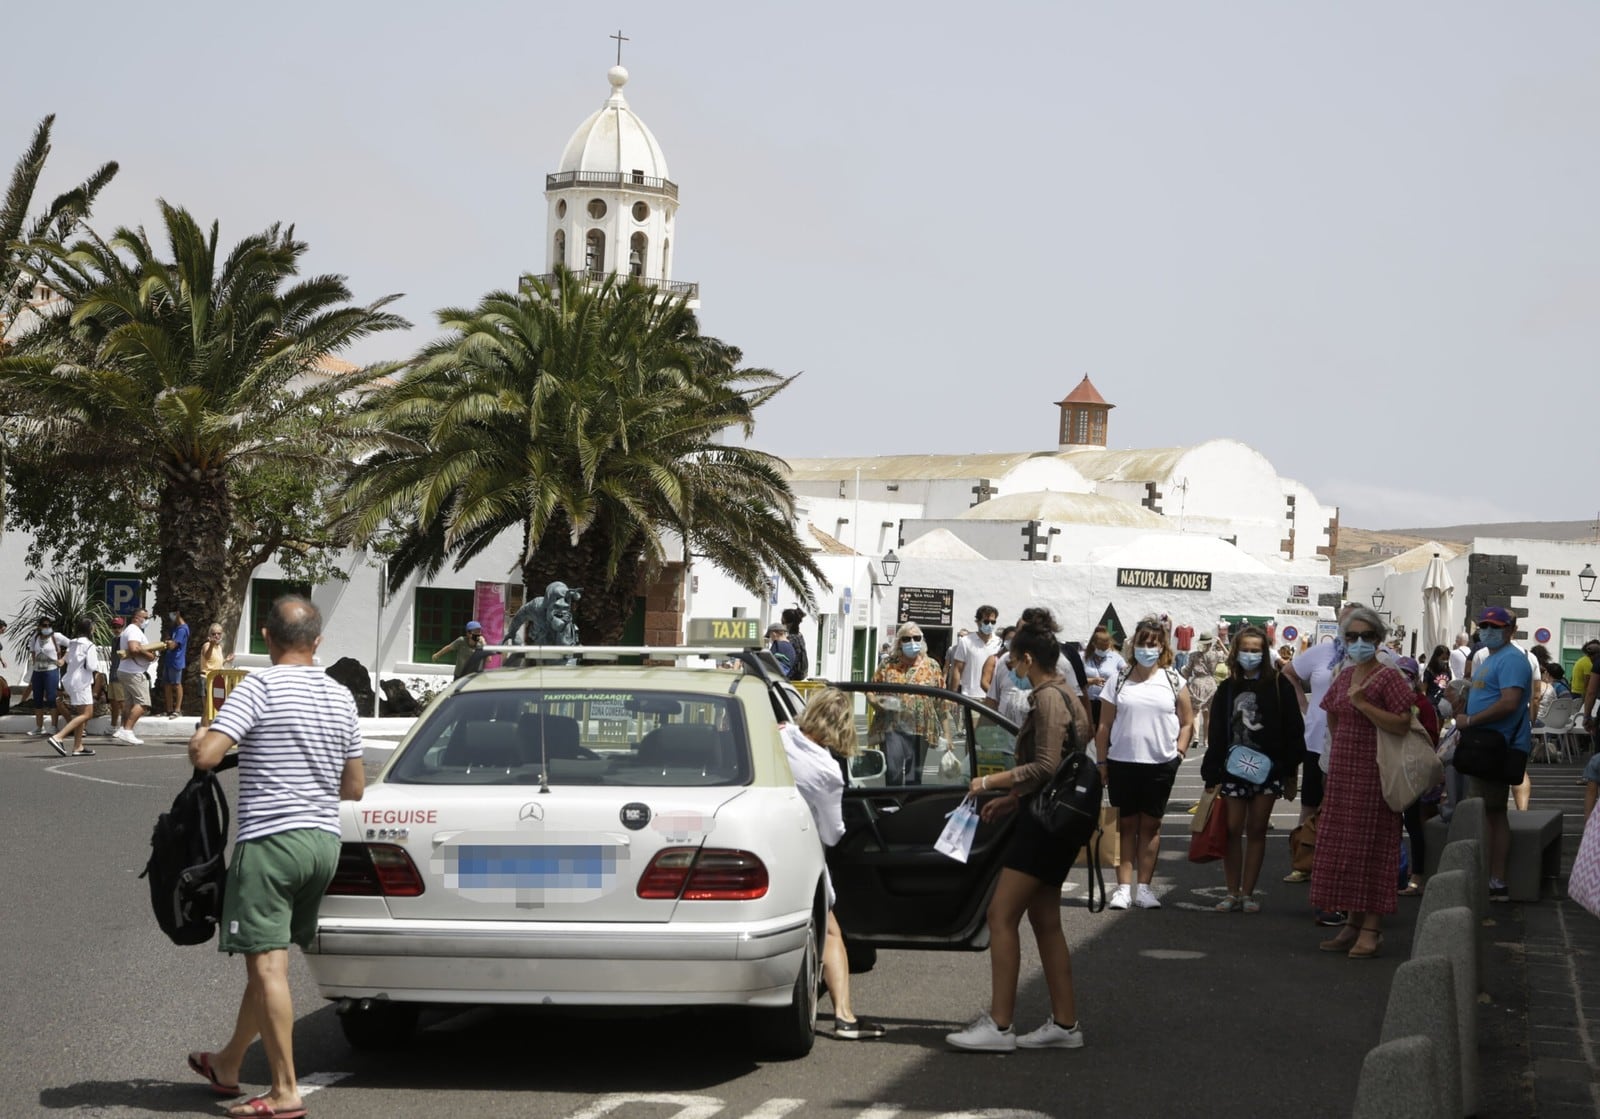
<point>867,765</point>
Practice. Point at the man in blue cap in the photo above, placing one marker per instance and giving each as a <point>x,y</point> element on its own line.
<point>1498,700</point>
<point>463,648</point>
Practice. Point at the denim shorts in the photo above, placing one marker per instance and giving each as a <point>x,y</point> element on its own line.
<point>1591,772</point>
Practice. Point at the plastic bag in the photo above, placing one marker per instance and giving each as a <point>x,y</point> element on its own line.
<point>950,766</point>
<point>956,839</point>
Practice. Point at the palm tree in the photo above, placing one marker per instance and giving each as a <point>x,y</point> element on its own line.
<point>185,379</point>
<point>587,418</point>
<point>20,258</point>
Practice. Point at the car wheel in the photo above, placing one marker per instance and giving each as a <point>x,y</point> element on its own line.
<point>787,1033</point>
<point>863,957</point>
<point>378,1024</point>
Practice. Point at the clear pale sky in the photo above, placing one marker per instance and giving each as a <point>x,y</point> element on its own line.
<point>1361,237</point>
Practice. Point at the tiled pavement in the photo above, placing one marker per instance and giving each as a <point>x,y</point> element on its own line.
<point>1539,1031</point>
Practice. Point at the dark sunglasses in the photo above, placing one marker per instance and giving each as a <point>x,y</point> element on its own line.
<point>1360,635</point>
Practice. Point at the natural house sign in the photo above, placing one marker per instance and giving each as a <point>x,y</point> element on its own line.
<point>1151,578</point>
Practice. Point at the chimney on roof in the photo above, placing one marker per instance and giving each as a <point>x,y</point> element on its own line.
<point>1083,417</point>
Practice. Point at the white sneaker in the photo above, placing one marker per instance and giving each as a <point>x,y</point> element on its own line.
<point>1120,898</point>
<point>123,734</point>
<point>1146,898</point>
<point>983,1036</point>
<point>37,732</point>
<point>1052,1036</point>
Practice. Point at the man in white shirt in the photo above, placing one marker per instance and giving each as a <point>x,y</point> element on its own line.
<point>1458,656</point>
<point>133,673</point>
<point>971,654</point>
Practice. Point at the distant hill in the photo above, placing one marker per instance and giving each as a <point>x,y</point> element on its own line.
<point>1516,530</point>
<point>1361,546</point>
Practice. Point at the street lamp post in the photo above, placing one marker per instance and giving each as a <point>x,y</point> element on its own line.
<point>1586,581</point>
<point>891,567</point>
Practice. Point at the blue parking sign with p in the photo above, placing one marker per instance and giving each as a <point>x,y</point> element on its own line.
<point>122,596</point>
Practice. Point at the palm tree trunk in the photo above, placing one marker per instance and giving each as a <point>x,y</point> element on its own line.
<point>192,571</point>
<point>607,603</point>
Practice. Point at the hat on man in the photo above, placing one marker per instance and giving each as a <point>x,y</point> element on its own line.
<point>1497,616</point>
<point>473,627</point>
<point>118,623</point>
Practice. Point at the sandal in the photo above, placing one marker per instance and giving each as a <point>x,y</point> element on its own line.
<point>1341,943</point>
<point>1251,905</point>
<point>1229,904</point>
<point>1413,888</point>
<point>1357,953</point>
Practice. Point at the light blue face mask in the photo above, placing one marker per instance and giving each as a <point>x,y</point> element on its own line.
<point>986,628</point>
<point>1146,656</point>
<point>1021,680</point>
<point>1360,651</point>
<point>1250,661</point>
<point>911,648</point>
<point>1493,638</point>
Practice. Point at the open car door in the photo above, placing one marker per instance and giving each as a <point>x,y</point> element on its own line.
<point>894,889</point>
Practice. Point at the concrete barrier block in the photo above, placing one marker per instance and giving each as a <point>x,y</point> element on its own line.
<point>1467,822</point>
<point>1445,890</point>
<point>1400,1080</point>
<point>1422,1001</point>
<point>1466,855</point>
<point>1453,934</point>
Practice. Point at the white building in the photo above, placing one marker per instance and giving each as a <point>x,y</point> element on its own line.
<point>1543,582</point>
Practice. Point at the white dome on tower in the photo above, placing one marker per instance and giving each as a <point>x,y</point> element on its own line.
<point>614,140</point>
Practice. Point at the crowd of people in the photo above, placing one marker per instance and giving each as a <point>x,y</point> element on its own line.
<point>1287,722</point>
<point>67,679</point>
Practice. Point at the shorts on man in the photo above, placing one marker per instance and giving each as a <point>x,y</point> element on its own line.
<point>171,674</point>
<point>274,890</point>
<point>136,688</point>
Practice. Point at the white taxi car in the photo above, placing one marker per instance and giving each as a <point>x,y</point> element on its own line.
<point>601,835</point>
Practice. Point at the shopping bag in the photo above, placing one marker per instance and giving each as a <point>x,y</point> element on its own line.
<point>1212,843</point>
<point>1583,886</point>
<point>1408,765</point>
<point>1303,845</point>
<point>956,839</point>
<point>1202,811</point>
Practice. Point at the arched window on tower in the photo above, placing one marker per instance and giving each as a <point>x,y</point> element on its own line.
<point>638,246</point>
<point>558,257</point>
<point>594,252</point>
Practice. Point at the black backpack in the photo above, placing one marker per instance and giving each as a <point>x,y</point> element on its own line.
<point>802,663</point>
<point>188,859</point>
<point>1068,808</point>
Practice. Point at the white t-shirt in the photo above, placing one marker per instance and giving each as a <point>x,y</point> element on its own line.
<point>1106,666</point>
<point>128,666</point>
<point>46,651</point>
<point>972,652</point>
<point>1458,662</point>
<point>820,784</point>
<point>1317,667</point>
<point>296,726</point>
<point>1146,725</point>
<point>83,661</point>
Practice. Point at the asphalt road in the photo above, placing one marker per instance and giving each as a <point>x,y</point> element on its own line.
<point>1185,1011</point>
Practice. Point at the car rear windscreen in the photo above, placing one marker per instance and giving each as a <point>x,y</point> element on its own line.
<point>578,737</point>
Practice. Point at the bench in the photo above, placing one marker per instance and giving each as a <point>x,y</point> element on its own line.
<point>1535,854</point>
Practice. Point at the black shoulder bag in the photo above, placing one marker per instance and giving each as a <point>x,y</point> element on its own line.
<point>1068,808</point>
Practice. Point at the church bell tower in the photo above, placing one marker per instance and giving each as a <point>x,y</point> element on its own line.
<point>1084,417</point>
<point>612,206</point>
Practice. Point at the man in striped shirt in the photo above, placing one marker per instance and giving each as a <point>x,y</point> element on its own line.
<point>299,745</point>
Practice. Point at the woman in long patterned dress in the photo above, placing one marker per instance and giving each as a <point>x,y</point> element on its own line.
<point>1358,837</point>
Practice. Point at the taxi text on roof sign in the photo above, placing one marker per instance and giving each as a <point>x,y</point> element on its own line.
<point>735,633</point>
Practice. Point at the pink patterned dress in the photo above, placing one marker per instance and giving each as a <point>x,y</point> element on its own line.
<point>1358,838</point>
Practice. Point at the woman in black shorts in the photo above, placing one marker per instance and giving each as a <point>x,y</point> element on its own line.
<point>1035,863</point>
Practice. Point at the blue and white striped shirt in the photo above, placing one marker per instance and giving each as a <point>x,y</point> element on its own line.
<point>296,727</point>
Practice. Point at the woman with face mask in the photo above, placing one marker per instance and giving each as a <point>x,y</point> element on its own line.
<point>1035,862</point>
<point>1145,726</point>
<point>907,725</point>
<point>1254,712</point>
<point>1102,664</point>
<point>1358,836</point>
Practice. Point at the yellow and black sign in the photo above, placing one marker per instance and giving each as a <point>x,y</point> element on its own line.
<point>734,633</point>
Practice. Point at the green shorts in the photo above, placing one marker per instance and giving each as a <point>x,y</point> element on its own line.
<point>275,887</point>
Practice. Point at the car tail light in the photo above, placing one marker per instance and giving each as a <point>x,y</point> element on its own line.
<point>712,874</point>
<point>375,870</point>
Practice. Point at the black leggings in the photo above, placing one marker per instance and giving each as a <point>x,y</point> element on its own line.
<point>1417,834</point>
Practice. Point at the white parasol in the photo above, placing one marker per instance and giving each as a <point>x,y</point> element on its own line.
<point>1438,591</point>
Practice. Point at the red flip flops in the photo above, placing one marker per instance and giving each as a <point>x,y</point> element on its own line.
<point>201,1064</point>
